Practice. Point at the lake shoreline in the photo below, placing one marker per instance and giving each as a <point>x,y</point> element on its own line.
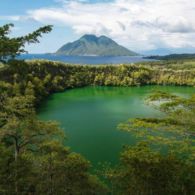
<point>79,109</point>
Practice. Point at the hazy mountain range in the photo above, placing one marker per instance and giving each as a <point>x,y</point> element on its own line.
<point>91,45</point>
<point>168,51</point>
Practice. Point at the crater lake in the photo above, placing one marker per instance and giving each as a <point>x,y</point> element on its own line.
<point>90,115</point>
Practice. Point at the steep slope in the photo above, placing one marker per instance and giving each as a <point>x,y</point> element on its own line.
<point>90,45</point>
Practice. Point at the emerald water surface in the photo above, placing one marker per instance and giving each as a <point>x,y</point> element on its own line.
<point>90,117</point>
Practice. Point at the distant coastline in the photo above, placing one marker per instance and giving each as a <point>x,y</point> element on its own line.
<point>172,57</point>
<point>93,60</point>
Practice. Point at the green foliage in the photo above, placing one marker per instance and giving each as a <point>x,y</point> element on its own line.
<point>143,170</point>
<point>174,57</point>
<point>34,159</point>
<point>147,172</point>
<point>11,47</point>
<point>175,128</point>
<point>165,163</point>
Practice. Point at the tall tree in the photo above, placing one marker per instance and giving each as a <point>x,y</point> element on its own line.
<point>165,165</point>
<point>11,47</point>
<point>143,171</point>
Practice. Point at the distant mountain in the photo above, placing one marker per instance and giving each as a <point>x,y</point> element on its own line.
<point>91,45</point>
<point>168,51</point>
<point>159,51</point>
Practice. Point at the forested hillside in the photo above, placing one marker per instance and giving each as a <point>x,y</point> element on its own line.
<point>30,146</point>
<point>34,158</point>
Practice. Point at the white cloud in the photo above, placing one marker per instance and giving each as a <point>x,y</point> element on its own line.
<point>137,24</point>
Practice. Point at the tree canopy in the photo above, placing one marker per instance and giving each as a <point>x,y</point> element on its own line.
<point>11,47</point>
<point>33,155</point>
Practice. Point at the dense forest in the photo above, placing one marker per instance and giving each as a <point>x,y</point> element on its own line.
<point>173,57</point>
<point>34,159</point>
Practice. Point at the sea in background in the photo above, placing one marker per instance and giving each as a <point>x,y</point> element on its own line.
<point>93,60</point>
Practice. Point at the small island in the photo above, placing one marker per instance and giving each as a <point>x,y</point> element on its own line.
<point>130,127</point>
<point>91,45</point>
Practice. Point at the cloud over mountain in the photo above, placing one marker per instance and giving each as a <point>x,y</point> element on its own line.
<point>145,24</point>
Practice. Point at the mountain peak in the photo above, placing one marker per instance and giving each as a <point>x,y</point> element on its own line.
<point>89,37</point>
<point>90,44</point>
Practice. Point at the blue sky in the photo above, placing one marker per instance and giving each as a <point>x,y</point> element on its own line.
<point>140,25</point>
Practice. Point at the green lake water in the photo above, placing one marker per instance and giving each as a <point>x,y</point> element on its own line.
<point>90,115</point>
